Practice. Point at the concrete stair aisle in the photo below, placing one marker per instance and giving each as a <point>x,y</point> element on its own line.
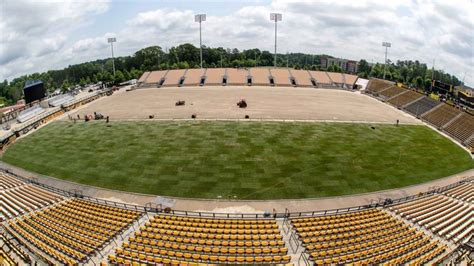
<point>103,254</point>
<point>295,250</point>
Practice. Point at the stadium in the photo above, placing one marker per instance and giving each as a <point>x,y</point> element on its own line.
<point>267,165</point>
<point>226,204</point>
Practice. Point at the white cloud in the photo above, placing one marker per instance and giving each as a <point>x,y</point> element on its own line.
<point>33,34</point>
<point>420,30</point>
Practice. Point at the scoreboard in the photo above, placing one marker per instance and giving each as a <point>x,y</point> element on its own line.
<point>34,90</point>
<point>441,88</point>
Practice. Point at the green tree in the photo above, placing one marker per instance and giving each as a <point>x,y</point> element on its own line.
<point>119,77</point>
<point>418,82</point>
<point>65,86</point>
<point>363,67</point>
<point>334,68</point>
<point>82,82</point>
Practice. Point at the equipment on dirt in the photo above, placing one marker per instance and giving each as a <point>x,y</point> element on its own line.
<point>242,103</point>
<point>98,116</point>
<point>179,103</point>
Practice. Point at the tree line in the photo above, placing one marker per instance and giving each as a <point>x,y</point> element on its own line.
<point>412,73</point>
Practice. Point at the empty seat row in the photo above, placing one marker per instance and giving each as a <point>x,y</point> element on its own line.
<point>462,127</point>
<point>463,192</point>
<point>448,217</point>
<point>160,240</point>
<point>8,181</point>
<point>164,217</point>
<point>419,256</point>
<point>73,230</point>
<point>368,237</point>
<point>215,223</point>
<point>179,258</point>
<point>408,208</point>
<point>441,115</point>
<point>25,198</point>
<point>422,106</point>
<point>391,92</point>
<point>405,98</point>
<point>29,113</point>
<point>204,240</point>
<point>5,259</point>
<point>376,85</point>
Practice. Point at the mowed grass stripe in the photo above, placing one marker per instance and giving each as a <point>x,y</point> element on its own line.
<point>249,160</point>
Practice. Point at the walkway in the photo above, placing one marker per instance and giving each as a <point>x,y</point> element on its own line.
<point>241,206</point>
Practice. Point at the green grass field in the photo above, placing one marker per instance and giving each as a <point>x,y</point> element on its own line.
<point>255,160</point>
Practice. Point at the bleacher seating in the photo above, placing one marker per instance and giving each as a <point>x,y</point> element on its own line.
<point>5,259</point>
<point>29,113</point>
<point>193,76</point>
<point>422,106</point>
<point>322,79</point>
<point>8,181</point>
<point>214,76</point>
<point>22,199</point>
<point>364,237</point>
<point>73,230</point>
<point>463,192</point>
<point>60,99</point>
<point>445,216</point>
<point>173,77</point>
<point>13,252</point>
<point>405,98</point>
<point>390,92</point>
<point>143,77</point>
<point>350,80</point>
<point>336,78</point>
<point>470,144</point>
<point>302,78</point>
<point>176,239</point>
<point>461,128</point>
<point>441,115</point>
<point>376,85</point>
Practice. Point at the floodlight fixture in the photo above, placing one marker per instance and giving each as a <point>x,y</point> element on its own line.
<point>386,45</point>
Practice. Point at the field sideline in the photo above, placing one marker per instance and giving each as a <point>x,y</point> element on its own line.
<point>248,160</point>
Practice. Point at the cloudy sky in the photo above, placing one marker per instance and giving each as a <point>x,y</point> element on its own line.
<point>47,34</point>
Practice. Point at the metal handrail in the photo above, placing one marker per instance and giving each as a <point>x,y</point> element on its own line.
<point>286,215</point>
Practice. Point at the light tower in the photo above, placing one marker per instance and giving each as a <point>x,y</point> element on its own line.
<point>386,45</point>
<point>111,41</point>
<point>275,17</point>
<point>200,18</point>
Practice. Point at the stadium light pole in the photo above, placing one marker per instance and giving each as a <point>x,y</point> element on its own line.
<point>386,45</point>
<point>432,75</point>
<point>200,18</point>
<point>275,17</point>
<point>111,41</point>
